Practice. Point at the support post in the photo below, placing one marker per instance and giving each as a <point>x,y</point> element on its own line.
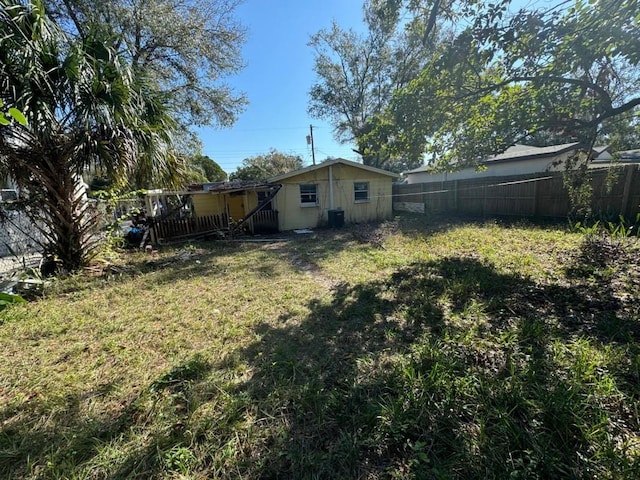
<point>330,187</point>
<point>626,193</point>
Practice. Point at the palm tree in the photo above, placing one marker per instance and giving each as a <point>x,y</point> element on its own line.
<point>84,106</point>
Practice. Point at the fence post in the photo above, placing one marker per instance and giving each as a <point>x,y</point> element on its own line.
<point>626,193</point>
<point>455,196</point>
<point>484,199</point>
<point>423,190</point>
<point>535,196</point>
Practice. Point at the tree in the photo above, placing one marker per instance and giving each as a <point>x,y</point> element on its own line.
<point>564,72</point>
<point>84,106</point>
<point>621,132</point>
<point>202,169</point>
<point>357,74</point>
<point>185,46</point>
<point>262,167</point>
<point>11,114</point>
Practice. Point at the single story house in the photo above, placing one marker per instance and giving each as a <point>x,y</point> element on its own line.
<point>328,194</point>
<point>617,159</point>
<point>516,160</point>
<point>333,192</point>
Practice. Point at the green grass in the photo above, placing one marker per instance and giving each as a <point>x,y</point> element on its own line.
<point>436,350</point>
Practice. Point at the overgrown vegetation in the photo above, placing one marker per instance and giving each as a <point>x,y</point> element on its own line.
<point>404,351</point>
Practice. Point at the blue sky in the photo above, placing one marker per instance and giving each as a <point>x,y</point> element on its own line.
<point>277,79</point>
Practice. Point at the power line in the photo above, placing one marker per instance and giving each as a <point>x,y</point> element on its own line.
<point>465,189</point>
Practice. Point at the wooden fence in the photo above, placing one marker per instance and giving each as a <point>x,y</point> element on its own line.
<point>614,192</point>
<point>176,228</point>
<point>264,221</point>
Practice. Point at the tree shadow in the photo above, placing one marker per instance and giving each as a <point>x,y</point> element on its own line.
<point>380,381</point>
<point>442,370</point>
<point>59,437</point>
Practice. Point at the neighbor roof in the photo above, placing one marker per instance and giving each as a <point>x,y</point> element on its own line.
<point>517,152</point>
<point>328,163</point>
<point>521,152</point>
<point>629,154</point>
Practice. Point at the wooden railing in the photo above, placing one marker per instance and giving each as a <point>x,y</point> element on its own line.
<point>264,221</point>
<point>175,228</point>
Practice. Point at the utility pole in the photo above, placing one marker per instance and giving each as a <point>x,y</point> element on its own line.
<point>310,141</point>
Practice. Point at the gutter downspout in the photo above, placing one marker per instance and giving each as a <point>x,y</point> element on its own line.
<point>330,187</point>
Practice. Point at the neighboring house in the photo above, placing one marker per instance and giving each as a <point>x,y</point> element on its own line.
<point>8,190</point>
<point>7,184</point>
<point>332,192</point>
<point>621,158</point>
<point>516,160</point>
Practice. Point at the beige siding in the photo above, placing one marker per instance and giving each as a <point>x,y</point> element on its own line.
<point>206,204</point>
<point>292,215</point>
<point>210,203</point>
<point>495,169</point>
<point>250,201</point>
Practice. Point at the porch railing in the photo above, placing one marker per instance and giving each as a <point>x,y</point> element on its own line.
<point>170,229</point>
<point>176,228</point>
<point>264,221</point>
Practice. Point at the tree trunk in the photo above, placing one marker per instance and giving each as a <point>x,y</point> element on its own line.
<point>59,206</point>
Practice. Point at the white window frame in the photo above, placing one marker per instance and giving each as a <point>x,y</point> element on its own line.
<point>304,203</point>
<point>360,190</point>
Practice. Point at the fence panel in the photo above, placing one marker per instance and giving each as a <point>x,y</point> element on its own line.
<point>614,191</point>
<point>264,221</point>
<point>173,228</point>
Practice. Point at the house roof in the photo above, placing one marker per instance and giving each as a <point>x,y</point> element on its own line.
<point>519,153</point>
<point>620,158</point>
<point>328,163</point>
<point>215,187</point>
<point>629,155</point>
<point>227,186</point>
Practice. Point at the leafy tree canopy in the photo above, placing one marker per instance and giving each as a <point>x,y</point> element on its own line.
<point>186,47</point>
<point>568,72</point>
<point>82,105</point>
<point>357,74</point>
<point>202,169</point>
<point>266,166</point>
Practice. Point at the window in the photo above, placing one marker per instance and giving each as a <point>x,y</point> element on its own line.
<point>361,192</point>
<point>308,195</point>
<point>8,195</point>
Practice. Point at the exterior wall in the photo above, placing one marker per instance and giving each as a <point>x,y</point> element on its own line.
<point>206,204</point>
<point>498,169</point>
<point>236,206</point>
<point>214,203</point>
<point>293,216</point>
<point>18,236</point>
<point>250,201</point>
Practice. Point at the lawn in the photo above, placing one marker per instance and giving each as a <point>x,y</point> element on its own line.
<point>411,349</point>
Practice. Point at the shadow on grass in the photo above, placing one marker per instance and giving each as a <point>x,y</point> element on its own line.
<point>61,438</point>
<point>400,378</point>
<point>447,369</point>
